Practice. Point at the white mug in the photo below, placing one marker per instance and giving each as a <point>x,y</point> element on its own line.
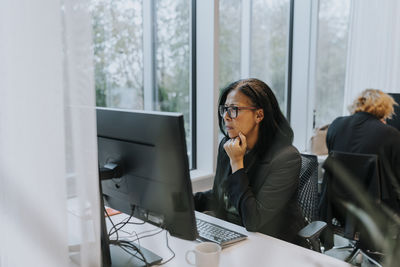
<point>206,255</point>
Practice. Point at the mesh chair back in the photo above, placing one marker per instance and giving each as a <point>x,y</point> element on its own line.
<point>308,187</point>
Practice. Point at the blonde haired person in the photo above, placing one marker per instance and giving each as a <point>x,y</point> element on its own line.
<point>366,132</point>
<point>374,102</point>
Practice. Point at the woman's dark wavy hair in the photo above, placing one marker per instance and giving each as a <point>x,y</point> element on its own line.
<point>274,122</point>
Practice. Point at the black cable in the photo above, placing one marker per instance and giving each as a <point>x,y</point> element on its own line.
<point>170,249</point>
<point>139,246</point>
<point>123,224</point>
<point>108,216</point>
<point>126,244</point>
<point>117,227</point>
<point>123,243</point>
<point>134,233</point>
<point>127,232</point>
<point>166,238</point>
<point>134,223</point>
<point>156,233</point>
<point>148,231</point>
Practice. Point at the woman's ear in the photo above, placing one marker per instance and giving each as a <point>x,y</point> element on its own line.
<point>259,115</point>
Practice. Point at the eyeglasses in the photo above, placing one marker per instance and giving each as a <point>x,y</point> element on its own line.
<point>232,111</point>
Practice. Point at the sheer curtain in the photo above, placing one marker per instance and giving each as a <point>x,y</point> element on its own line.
<point>49,202</point>
<point>374,48</point>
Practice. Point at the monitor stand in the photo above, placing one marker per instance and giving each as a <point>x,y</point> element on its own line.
<point>120,258</point>
<point>114,255</point>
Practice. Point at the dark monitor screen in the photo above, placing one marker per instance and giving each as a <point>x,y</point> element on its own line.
<point>154,183</point>
<point>395,121</point>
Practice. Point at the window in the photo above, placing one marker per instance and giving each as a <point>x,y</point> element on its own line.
<point>229,41</point>
<point>269,45</point>
<point>331,60</point>
<point>129,35</point>
<point>253,42</point>
<point>118,53</point>
<point>172,60</point>
<point>143,52</point>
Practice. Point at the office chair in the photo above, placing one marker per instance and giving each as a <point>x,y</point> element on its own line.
<point>308,201</point>
<point>349,179</point>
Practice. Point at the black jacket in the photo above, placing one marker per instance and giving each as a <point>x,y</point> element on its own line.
<point>363,133</point>
<point>262,196</point>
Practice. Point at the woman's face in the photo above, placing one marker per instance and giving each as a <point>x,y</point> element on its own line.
<point>247,120</point>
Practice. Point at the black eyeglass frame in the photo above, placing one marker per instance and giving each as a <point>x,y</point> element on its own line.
<point>233,111</point>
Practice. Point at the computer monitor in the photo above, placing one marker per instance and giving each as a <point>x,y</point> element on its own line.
<point>145,154</point>
<point>395,120</point>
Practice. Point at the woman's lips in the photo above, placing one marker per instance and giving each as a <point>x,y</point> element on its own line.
<point>228,128</point>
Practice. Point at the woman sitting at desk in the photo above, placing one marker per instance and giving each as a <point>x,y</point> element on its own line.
<point>258,169</point>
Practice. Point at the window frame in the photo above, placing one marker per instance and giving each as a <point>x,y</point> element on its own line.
<point>149,71</point>
<point>204,73</point>
<point>207,66</point>
<point>305,35</point>
<point>207,70</point>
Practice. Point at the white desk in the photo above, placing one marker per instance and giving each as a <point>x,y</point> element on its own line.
<point>257,250</point>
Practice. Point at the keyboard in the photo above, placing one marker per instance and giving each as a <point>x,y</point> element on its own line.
<point>218,234</point>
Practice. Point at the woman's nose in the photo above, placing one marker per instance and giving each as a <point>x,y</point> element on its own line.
<point>226,116</point>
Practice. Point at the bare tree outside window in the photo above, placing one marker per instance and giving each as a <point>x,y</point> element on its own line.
<point>229,41</point>
<point>269,45</point>
<point>172,55</point>
<point>331,60</point>
<point>118,53</point>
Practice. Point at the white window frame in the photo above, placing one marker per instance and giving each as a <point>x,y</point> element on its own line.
<point>148,54</point>
<point>245,42</point>
<point>207,93</point>
<point>305,36</point>
<point>303,78</point>
<point>149,62</point>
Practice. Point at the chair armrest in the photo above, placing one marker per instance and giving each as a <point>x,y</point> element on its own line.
<point>313,230</point>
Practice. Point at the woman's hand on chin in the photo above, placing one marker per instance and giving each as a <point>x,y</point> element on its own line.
<point>236,148</point>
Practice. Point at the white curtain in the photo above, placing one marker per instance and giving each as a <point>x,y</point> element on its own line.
<point>373,59</point>
<point>49,200</point>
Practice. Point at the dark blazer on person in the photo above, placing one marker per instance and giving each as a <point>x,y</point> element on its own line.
<point>364,133</point>
<point>262,196</point>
